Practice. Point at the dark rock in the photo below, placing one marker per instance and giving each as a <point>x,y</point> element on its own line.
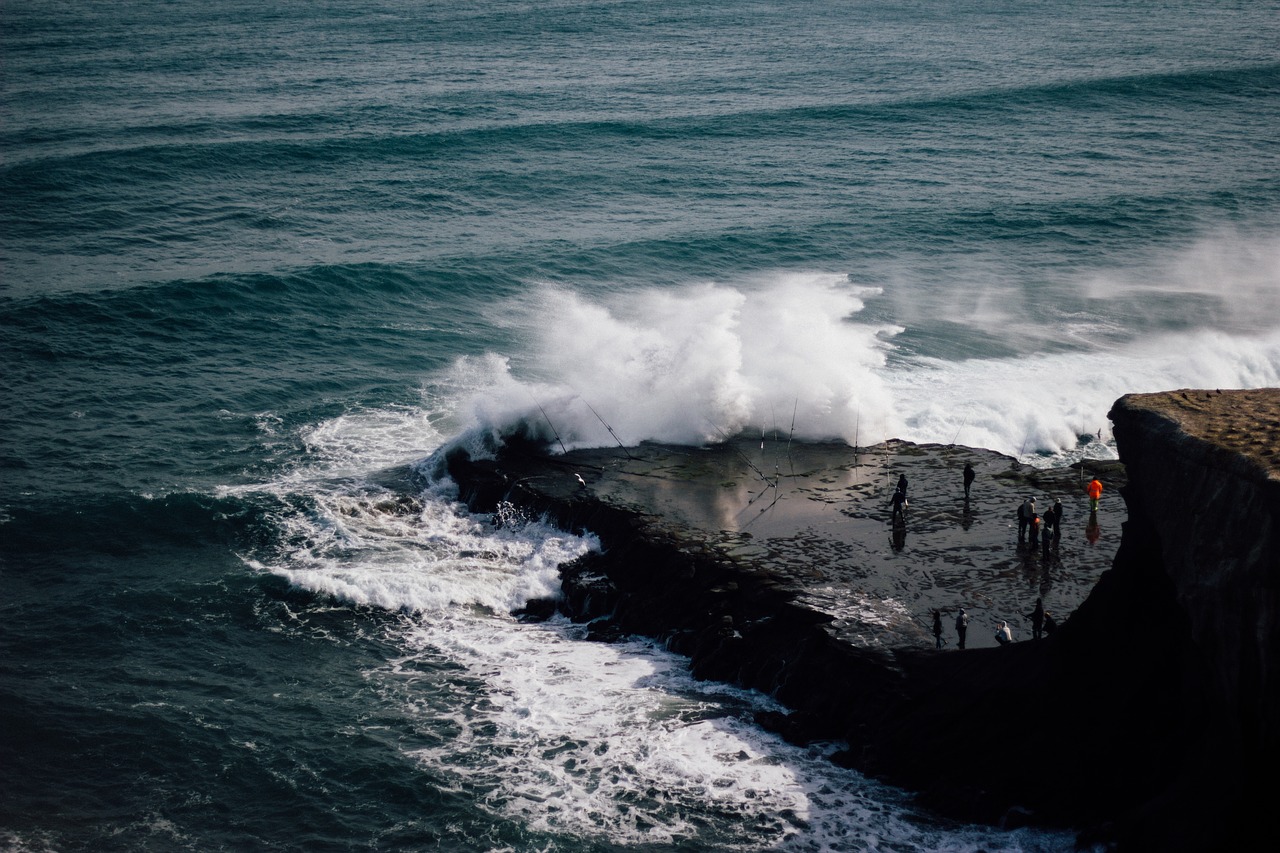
<point>1140,721</point>
<point>536,610</point>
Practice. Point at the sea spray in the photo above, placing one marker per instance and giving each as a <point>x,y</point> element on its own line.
<point>695,365</point>
<point>691,365</point>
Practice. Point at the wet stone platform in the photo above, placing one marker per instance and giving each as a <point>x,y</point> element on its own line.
<point>817,518</point>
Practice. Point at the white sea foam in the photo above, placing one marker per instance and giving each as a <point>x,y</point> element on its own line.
<point>370,439</point>
<point>351,447</point>
<point>617,743</point>
<point>367,546</point>
<point>364,542</point>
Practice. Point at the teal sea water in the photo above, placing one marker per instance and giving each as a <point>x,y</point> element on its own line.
<point>258,262</point>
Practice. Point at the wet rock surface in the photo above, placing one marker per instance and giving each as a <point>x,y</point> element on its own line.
<point>815,520</point>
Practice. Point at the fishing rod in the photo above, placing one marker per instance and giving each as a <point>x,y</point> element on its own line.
<point>791,434</point>
<point>777,471</point>
<point>554,432</point>
<point>606,426</point>
<point>744,456</point>
<point>777,495</point>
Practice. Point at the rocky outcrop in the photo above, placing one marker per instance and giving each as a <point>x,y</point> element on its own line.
<point>1207,482</point>
<point>1149,720</point>
<point>1205,494</point>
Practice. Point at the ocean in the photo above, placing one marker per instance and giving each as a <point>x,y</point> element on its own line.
<point>260,262</point>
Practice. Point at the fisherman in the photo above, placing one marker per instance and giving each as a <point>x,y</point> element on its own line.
<point>962,625</point>
<point>1048,524</point>
<point>937,628</point>
<point>899,503</point>
<point>1037,619</point>
<point>902,484</point>
<point>1050,624</point>
<point>969,475</point>
<point>1057,520</point>
<point>1035,524</point>
<point>1025,513</point>
<point>1003,635</point>
<point>1094,491</point>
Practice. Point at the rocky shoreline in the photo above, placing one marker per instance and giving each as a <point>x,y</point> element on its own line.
<point>777,566</point>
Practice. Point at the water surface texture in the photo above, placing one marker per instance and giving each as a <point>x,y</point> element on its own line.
<point>258,262</point>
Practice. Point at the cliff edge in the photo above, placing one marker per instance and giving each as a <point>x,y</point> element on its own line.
<point>1204,506</point>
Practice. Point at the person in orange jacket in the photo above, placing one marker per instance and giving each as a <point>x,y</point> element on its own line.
<point>1094,491</point>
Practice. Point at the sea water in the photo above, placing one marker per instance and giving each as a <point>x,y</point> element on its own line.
<point>259,263</point>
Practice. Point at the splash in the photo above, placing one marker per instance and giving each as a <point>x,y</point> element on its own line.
<point>801,356</point>
<point>695,365</point>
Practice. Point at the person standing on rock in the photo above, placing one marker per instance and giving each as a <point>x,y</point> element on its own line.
<point>899,503</point>
<point>937,629</point>
<point>969,475</point>
<point>902,484</point>
<point>1025,513</point>
<point>1037,620</point>
<point>962,625</point>
<point>1057,520</point>
<point>1094,491</point>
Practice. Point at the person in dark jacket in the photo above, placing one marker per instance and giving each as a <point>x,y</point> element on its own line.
<point>937,629</point>
<point>899,503</point>
<point>1050,624</point>
<point>969,475</point>
<point>1026,512</point>
<point>1037,620</point>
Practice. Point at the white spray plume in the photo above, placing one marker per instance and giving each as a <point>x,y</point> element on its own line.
<point>698,364</point>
